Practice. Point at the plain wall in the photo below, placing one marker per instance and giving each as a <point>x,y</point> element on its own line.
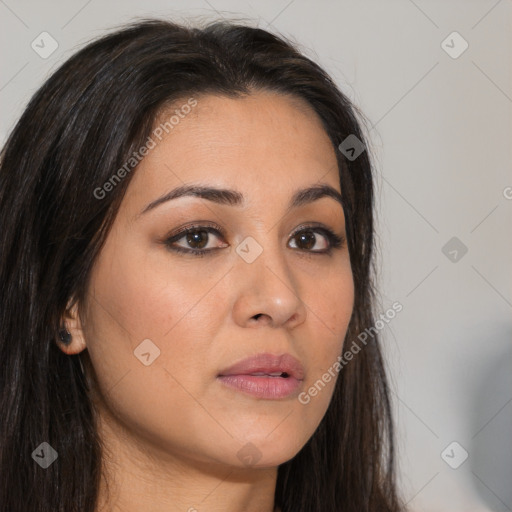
<point>441,134</point>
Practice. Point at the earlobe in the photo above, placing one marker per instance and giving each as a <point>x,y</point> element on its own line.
<point>68,343</point>
<point>70,337</point>
<point>65,336</point>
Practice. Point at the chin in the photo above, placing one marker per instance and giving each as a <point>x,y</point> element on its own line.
<point>266,451</point>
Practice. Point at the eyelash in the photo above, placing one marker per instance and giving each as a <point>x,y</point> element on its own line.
<point>335,241</point>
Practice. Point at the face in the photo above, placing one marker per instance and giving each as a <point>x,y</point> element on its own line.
<point>169,313</point>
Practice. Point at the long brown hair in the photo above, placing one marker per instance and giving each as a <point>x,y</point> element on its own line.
<point>78,129</point>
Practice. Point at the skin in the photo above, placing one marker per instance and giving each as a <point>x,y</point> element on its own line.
<point>171,430</point>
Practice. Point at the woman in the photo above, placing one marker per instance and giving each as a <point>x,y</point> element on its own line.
<point>186,262</point>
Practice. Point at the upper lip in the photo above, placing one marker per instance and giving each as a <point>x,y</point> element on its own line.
<point>267,364</point>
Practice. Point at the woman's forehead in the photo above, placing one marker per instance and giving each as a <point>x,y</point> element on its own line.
<point>263,138</point>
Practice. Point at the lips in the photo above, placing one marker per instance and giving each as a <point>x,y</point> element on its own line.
<point>265,376</point>
<point>284,365</point>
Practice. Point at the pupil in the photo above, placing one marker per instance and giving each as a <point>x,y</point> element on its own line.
<point>308,236</point>
<point>195,237</point>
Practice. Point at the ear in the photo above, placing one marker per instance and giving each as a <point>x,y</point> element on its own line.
<point>71,321</point>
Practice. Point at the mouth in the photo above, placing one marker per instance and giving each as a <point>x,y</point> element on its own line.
<point>265,376</point>
<point>275,374</point>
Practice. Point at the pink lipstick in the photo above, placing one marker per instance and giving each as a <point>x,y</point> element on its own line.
<point>266,376</point>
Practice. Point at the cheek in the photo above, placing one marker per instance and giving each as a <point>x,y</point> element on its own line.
<point>331,309</point>
<point>142,305</point>
<point>140,299</point>
<point>330,303</point>
<point>140,310</point>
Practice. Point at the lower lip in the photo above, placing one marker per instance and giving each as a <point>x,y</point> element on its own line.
<point>270,388</point>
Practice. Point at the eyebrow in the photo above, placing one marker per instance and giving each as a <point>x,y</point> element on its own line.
<point>234,198</point>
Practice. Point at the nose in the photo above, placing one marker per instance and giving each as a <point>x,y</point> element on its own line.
<point>266,292</point>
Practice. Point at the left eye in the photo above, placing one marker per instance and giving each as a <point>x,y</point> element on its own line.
<point>308,238</point>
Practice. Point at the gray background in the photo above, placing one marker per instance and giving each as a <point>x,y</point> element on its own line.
<point>441,134</point>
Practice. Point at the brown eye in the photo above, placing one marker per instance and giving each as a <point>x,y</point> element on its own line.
<point>194,239</point>
<point>197,239</point>
<point>308,238</point>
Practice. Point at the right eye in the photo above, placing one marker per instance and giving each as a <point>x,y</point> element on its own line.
<point>196,238</point>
